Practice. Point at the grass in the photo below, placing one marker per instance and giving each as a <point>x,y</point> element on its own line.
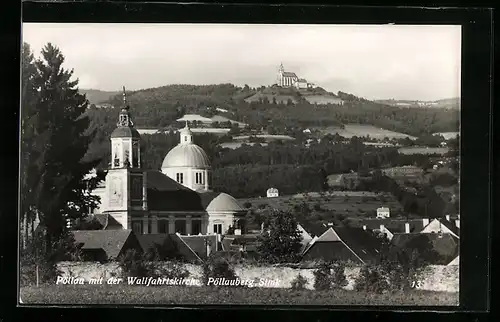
<point>351,130</point>
<point>165,295</point>
<point>338,204</point>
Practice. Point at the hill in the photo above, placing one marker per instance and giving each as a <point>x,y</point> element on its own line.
<point>162,106</point>
<point>448,103</point>
<point>96,96</point>
<point>292,95</point>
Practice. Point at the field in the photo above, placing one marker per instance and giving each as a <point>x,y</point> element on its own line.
<point>361,130</point>
<point>267,137</point>
<point>322,99</point>
<point>165,295</point>
<point>423,150</point>
<point>235,145</point>
<point>351,205</point>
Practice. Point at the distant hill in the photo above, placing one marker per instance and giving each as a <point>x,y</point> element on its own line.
<point>96,96</point>
<point>447,103</point>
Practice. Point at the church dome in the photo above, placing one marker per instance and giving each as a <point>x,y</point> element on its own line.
<point>224,202</point>
<point>186,155</point>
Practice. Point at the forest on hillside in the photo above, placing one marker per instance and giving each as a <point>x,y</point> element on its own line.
<point>160,107</point>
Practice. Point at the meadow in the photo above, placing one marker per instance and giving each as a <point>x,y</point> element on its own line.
<point>352,205</point>
<point>423,150</point>
<point>175,295</point>
<point>363,130</point>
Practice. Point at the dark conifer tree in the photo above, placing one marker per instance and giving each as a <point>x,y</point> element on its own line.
<point>62,137</point>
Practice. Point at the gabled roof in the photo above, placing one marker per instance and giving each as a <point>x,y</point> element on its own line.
<point>313,229</point>
<point>111,241</point>
<point>364,244</point>
<point>454,262</point>
<point>289,74</point>
<point>173,241</point>
<point>345,243</point>
<point>450,225</point>
<point>197,244</point>
<point>108,222</point>
<point>444,244</point>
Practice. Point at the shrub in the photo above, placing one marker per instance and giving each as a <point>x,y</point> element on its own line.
<point>330,276</point>
<point>217,267</point>
<point>317,206</point>
<point>372,280</point>
<point>322,277</point>
<point>247,205</point>
<point>34,258</point>
<point>134,264</point>
<point>299,283</point>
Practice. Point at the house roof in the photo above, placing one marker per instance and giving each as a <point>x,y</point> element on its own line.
<point>313,229</point>
<point>302,80</point>
<point>454,262</point>
<point>450,225</point>
<point>364,244</point>
<point>198,244</point>
<point>165,194</point>
<point>108,222</point>
<point>111,241</point>
<point>289,74</point>
<point>156,180</point>
<point>185,246</point>
<point>349,243</point>
<point>444,244</point>
<point>393,225</point>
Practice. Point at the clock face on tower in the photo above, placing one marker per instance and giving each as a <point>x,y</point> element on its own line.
<point>116,192</point>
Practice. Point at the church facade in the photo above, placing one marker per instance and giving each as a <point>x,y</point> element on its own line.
<point>290,79</point>
<point>176,199</point>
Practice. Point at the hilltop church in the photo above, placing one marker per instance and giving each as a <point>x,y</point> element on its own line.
<point>290,79</point>
<point>175,199</point>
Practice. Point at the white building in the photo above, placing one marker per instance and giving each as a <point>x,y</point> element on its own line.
<point>272,193</point>
<point>177,199</point>
<point>290,79</point>
<point>383,212</point>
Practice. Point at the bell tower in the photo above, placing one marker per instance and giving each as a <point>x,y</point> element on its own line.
<point>125,140</point>
<point>126,190</point>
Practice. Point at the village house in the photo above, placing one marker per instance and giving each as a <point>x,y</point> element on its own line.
<point>340,243</point>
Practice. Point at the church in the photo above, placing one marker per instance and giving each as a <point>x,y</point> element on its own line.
<point>290,79</point>
<point>174,199</point>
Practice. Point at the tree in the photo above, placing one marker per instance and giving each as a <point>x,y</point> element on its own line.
<point>56,135</point>
<point>281,242</point>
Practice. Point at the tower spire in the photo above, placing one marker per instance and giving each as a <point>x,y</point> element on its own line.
<point>124,119</point>
<point>124,98</point>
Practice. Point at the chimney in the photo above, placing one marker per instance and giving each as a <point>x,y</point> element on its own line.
<point>425,221</point>
<point>364,227</point>
<point>448,217</point>
<point>407,228</point>
<point>457,223</point>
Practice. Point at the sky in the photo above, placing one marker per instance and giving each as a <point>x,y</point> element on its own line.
<point>371,61</point>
